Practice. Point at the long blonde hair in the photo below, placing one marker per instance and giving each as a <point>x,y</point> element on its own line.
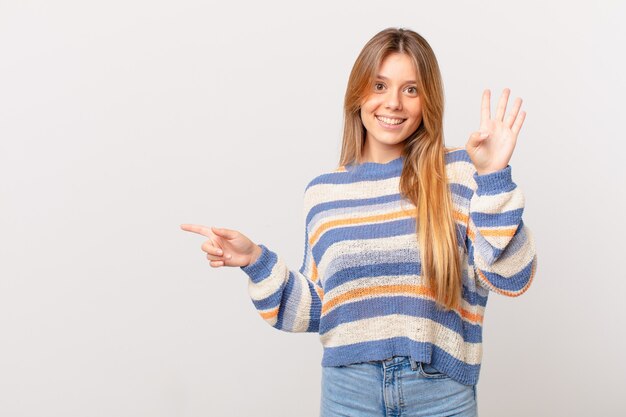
<point>423,180</point>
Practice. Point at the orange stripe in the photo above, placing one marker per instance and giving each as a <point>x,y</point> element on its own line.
<point>381,289</point>
<point>420,290</point>
<point>476,318</point>
<point>374,218</point>
<point>358,220</point>
<point>269,314</point>
<point>498,232</point>
<point>320,292</point>
<point>266,315</point>
<point>462,217</point>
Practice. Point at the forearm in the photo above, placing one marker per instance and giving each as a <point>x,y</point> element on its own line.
<point>501,247</point>
<point>287,300</point>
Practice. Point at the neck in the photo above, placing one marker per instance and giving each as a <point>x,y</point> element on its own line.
<point>380,157</point>
<point>380,154</point>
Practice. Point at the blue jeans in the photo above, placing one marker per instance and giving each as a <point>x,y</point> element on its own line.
<point>394,387</point>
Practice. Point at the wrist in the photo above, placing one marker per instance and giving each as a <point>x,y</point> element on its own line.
<point>495,182</point>
<point>488,171</point>
<point>260,267</point>
<point>256,253</point>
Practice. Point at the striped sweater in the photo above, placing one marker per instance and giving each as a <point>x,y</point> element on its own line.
<point>360,285</point>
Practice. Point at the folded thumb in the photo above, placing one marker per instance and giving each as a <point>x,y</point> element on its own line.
<point>478,137</point>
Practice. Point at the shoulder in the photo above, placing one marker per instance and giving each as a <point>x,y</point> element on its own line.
<point>326,187</point>
<point>328,178</point>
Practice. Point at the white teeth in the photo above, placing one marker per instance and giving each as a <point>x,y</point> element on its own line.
<point>390,121</point>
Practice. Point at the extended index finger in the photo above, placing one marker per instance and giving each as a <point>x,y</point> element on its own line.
<point>196,228</point>
<point>485,108</point>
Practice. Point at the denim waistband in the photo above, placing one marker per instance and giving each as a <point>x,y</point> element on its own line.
<point>397,360</point>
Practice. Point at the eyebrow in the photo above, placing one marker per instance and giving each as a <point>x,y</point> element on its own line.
<point>382,77</point>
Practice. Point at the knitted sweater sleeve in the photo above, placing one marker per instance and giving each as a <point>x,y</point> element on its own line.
<point>500,245</point>
<point>288,300</point>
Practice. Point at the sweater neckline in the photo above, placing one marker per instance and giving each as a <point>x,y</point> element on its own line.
<point>375,168</point>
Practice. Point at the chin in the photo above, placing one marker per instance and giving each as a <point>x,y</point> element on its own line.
<point>393,139</point>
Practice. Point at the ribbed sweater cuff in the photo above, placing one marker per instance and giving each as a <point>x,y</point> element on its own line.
<point>495,182</point>
<point>261,268</point>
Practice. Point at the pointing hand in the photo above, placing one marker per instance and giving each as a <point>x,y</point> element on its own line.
<point>225,247</point>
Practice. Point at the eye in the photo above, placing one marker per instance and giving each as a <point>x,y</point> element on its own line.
<point>412,90</point>
<point>376,85</point>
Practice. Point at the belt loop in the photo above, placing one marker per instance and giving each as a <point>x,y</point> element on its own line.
<point>413,363</point>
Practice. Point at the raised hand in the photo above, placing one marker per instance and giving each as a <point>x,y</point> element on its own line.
<point>225,247</point>
<point>490,148</point>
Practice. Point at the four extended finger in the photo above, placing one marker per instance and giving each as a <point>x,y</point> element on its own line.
<point>504,98</point>
<point>518,122</point>
<point>510,118</point>
<point>485,108</point>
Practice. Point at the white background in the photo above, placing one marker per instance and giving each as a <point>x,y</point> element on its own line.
<point>120,120</point>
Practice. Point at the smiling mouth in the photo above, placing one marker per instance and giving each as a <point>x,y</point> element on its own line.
<point>390,120</point>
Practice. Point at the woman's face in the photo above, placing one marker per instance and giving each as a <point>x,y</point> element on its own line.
<point>393,110</point>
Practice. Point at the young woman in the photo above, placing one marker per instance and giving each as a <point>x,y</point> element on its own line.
<point>403,242</point>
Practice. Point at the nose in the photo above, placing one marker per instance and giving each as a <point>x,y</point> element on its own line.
<point>393,101</point>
